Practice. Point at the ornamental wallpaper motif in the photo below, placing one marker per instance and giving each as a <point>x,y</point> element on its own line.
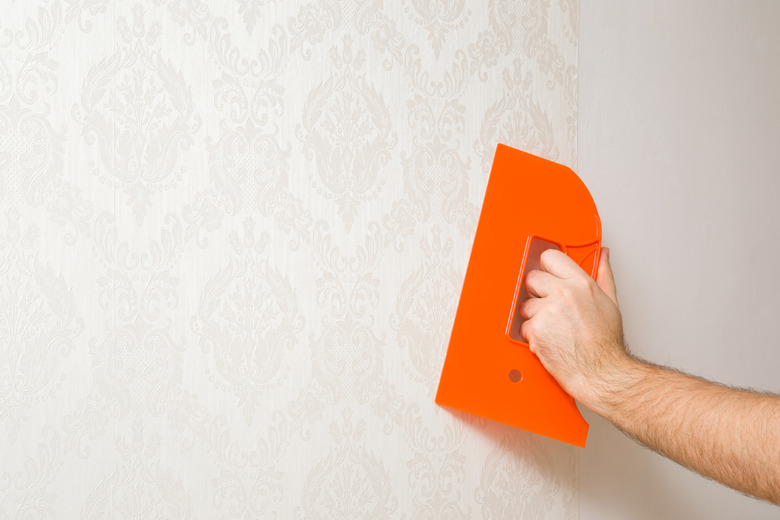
<point>232,239</point>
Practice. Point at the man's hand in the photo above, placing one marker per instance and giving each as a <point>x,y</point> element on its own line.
<point>575,328</point>
<point>574,325</point>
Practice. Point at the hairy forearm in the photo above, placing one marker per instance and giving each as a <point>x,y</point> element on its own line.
<point>573,324</point>
<point>727,434</point>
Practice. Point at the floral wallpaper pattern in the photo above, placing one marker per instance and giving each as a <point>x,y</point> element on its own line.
<point>232,239</point>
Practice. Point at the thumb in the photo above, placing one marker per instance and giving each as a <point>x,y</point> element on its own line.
<point>604,277</point>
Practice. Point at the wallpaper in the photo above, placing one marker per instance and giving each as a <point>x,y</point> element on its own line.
<point>232,238</point>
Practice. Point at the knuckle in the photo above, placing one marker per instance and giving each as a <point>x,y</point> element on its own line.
<point>554,309</point>
<point>565,292</point>
<point>583,282</point>
<point>575,289</point>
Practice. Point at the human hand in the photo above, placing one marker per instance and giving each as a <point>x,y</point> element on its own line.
<point>573,324</point>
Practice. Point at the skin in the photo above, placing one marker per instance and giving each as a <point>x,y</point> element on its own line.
<point>575,328</point>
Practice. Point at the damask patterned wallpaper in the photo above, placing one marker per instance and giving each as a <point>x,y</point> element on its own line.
<point>232,238</point>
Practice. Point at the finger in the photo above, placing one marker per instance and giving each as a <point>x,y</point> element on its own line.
<point>604,277</point>
<point>539,283</point>
<point>529,308</point>
<point>527,334</point>
<point>559,264</point>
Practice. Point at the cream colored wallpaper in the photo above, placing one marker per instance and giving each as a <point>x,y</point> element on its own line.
<point>232,238</point>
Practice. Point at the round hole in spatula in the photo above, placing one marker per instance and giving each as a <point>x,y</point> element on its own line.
<point>515,376</point>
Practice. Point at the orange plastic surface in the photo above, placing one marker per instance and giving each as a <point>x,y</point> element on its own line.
<point>486,372</point>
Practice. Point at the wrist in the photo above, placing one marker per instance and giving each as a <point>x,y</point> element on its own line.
<point>616,386</point>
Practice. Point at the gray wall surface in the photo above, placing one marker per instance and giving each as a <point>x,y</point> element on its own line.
<point>679,131</point>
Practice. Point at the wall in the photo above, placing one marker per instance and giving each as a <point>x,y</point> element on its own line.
<point>232,238</point>
<point>679,128</point>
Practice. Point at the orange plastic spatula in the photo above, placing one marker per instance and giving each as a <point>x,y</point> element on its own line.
<point>530,205</point>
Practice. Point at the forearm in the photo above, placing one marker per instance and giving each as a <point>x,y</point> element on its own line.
<point>730,435</point>
<point>574,326</point>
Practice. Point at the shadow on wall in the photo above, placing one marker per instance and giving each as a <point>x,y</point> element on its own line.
<point>622,459</point>
<point>546,464</point>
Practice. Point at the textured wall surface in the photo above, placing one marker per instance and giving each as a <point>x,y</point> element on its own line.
<point>232,238</point>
